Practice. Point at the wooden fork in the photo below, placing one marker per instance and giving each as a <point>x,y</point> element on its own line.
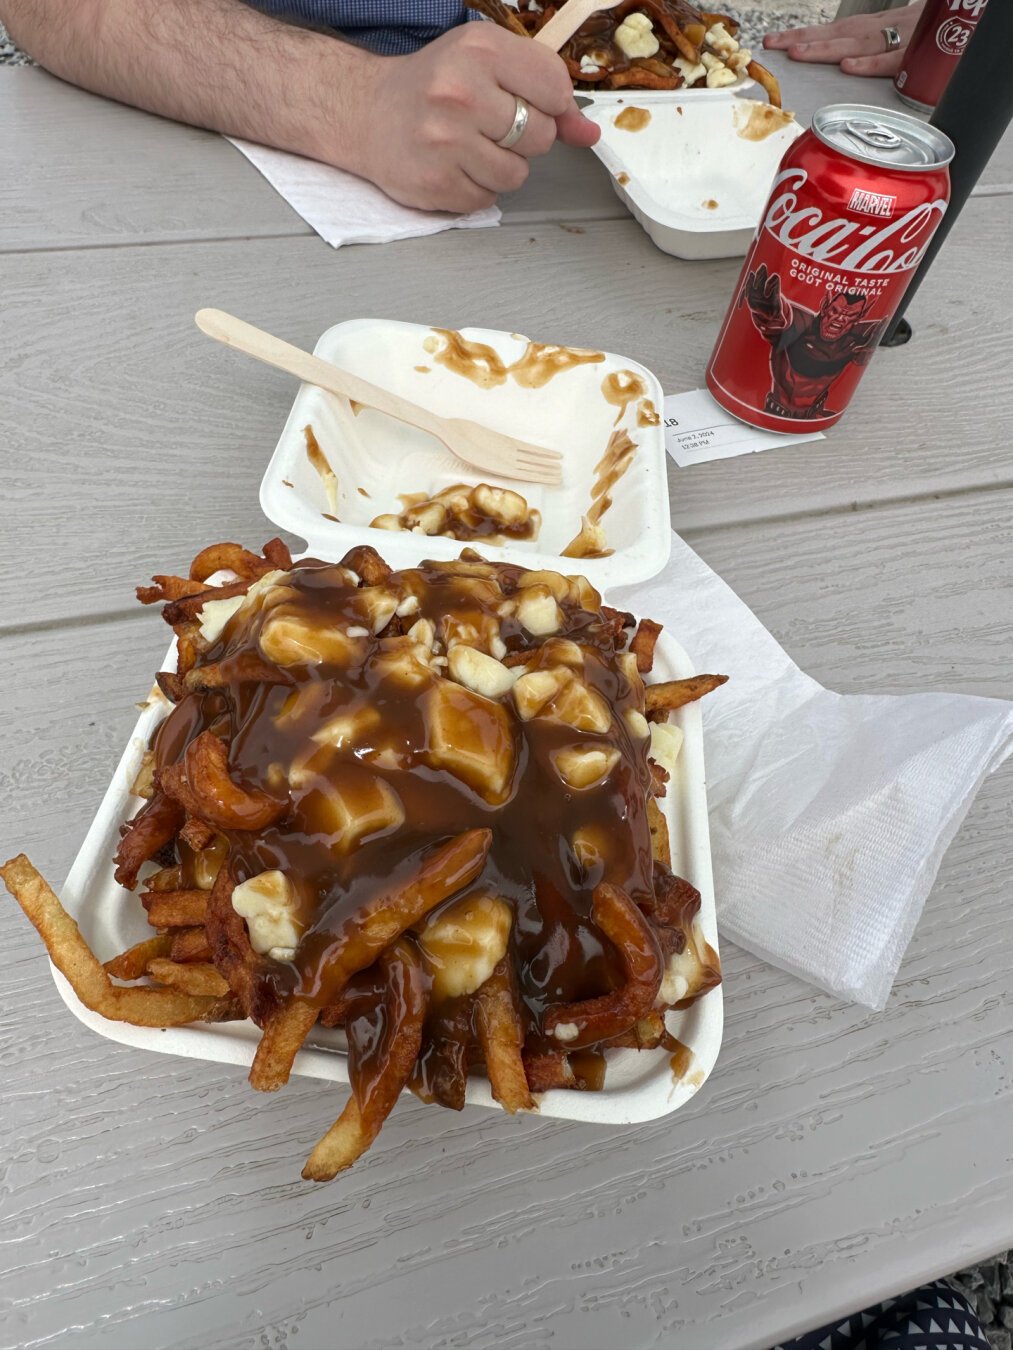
<point>568,18</point>
<point>491,451</point>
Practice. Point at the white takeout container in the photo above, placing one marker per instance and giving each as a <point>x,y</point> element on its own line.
<point>639,1085</point>
<point>610,97</point>
<point>692,176</point>
<point>384,457</point>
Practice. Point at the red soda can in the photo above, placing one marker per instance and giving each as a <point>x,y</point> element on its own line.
<point>855,202</point>
<point>936,45</point>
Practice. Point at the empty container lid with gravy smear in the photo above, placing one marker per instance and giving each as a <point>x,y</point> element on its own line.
<point>695,175</point>
<point>600,410</point>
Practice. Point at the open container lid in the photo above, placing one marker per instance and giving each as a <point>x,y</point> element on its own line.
<point>569,399</point>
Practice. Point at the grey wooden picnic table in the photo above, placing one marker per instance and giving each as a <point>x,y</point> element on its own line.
<point>834,1156</point>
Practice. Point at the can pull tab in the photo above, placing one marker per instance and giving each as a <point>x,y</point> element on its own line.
<point>873,134</point>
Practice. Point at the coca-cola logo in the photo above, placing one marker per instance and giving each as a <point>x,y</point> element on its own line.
<point>953,36</point>
<point>850,245</point>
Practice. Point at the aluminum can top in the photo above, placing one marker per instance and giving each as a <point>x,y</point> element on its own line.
<point>880,136</point>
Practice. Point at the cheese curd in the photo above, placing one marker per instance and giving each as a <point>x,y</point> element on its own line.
<point>268,904</point>
<point>635,36</point>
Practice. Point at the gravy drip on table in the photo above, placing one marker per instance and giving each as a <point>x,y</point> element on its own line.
<point>380,756</point>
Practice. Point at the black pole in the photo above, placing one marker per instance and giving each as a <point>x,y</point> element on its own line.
<point>974,111</point>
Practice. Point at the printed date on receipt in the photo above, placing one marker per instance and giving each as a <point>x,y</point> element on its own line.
<point>697,430</point>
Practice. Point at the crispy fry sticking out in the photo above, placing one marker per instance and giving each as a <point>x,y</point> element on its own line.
<point>599,1019</point>
<point>229,558</point>
<point>664,698</point>
<point>403,1010</point>
<point>643,642</point>
<point>153,827</point>
<point>87,976</point>
<point>284,1032</point>
<point>501,1036</point>
<point>763,77</point>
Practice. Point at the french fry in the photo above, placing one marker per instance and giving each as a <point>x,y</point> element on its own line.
<point>501,1036</point>
<point>189,944</point>
<point>547,1070</point>
<point>768,81</point>
<point>202,787</point>
<point>165,879</point>
<point>643,642</point>
<point>153,827</point>
<point>358,1125</point>
<point>196,977</point>
<point>171,684</point>
<point>168,588</point>
<point>248,667</point>
<point>144,1007</point>
<point>284,1032</point>
<point>133,963</point>
<point>186,609</point>
<point>229,558</point>
<point>229,942</point>
<point>367,564</point>
<point>361,938</point>
<point>175,909</point>
<point>599,1019</point>
<point>196,834</point>
<point>661,848</point>
<point>672,694</point>
<point>277,553</point>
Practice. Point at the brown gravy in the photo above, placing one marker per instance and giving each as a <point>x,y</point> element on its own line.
<point>477,361</point>
<point>532,863</point>
<point>632,119</point>
<point>763,121</point>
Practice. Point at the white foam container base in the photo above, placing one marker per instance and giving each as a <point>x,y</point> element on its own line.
<point>609,98</point>
<point>688,154</point>
<point>639,1084</point>
<point>386,458</point>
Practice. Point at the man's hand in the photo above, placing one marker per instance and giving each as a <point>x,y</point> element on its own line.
<point>423,127</point>
<point>763,294</point>
<point>856,44</point>
<point>433,118</point>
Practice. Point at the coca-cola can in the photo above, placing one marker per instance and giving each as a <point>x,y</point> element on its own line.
<point>855,202</point>
<point>936,45</point>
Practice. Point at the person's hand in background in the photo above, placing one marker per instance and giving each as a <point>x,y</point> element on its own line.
<point>856,44</point>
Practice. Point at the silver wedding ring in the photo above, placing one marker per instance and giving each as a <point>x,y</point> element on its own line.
<point>517,127</point>
<point>892,39</point>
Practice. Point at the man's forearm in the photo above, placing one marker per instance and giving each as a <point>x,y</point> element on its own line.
<point>212,63</point>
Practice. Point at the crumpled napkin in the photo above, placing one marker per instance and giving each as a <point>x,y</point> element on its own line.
<point>829,813</point>
<point>344,209</point>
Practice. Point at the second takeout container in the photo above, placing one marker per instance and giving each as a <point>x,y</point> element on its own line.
<point>640,1085</point>
<point>697,175</point>
<point>375,458</point>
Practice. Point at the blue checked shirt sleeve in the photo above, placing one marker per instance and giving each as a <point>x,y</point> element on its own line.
<point>389,27</point>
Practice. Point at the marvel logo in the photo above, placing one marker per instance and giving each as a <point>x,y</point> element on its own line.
<point>872,203</point>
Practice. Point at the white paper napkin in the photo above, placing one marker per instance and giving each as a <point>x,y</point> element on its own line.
<point>344,209</point>
<point>830,813</point>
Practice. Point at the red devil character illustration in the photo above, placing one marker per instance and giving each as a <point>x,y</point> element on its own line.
<point>809,349</point>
